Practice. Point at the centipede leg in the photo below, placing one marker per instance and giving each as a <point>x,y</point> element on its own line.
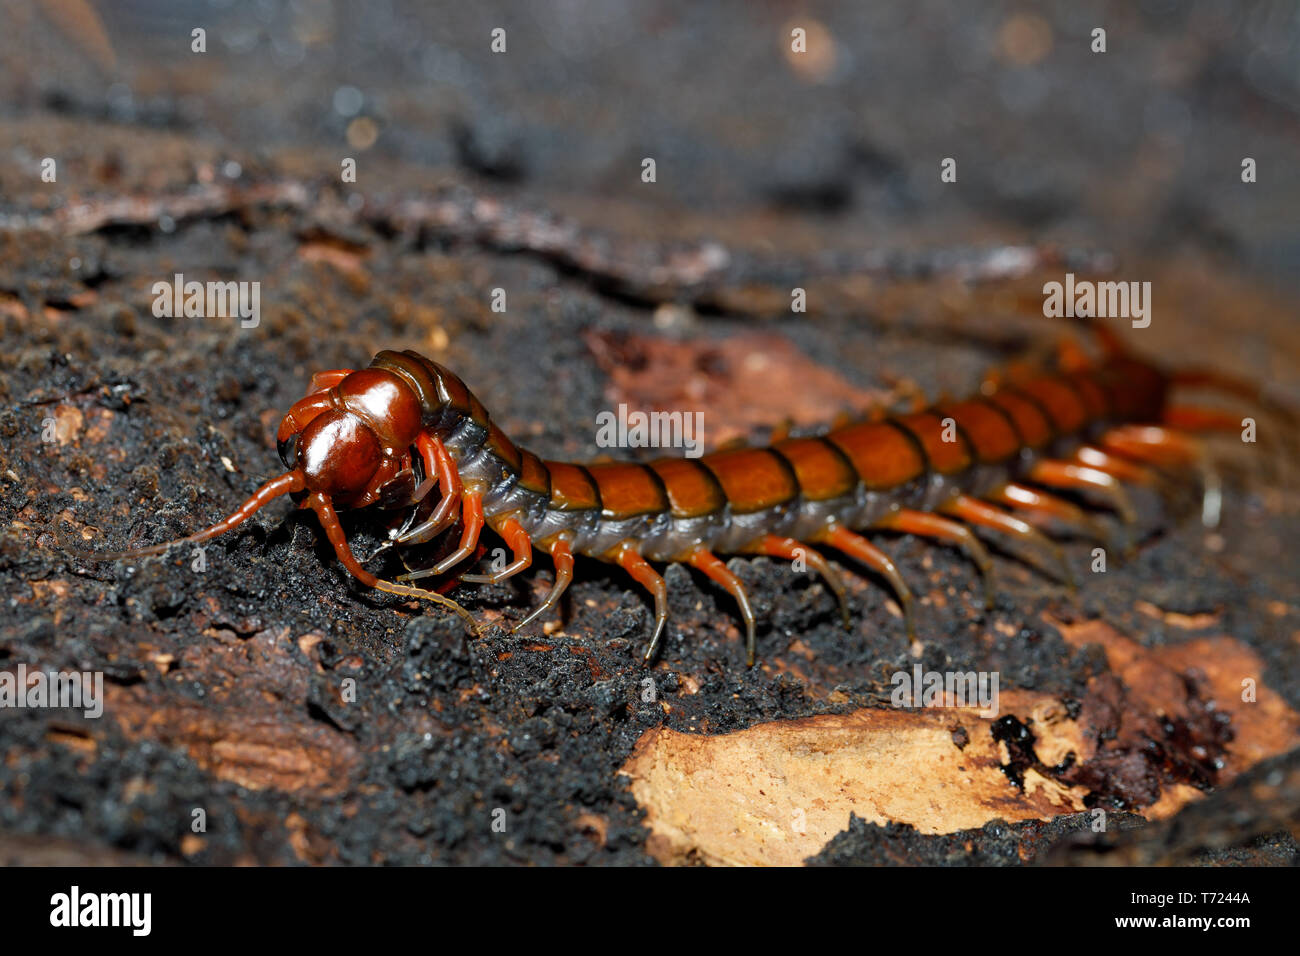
<point>444,516</point>
<point>1121,469</point>
<point>926,525</point>
<point>792,550</point>
<point>1164,446</point>
<point>329,520</point>
<point>781,431</point>
<point>429,447</point>
<point>1068,475</point>
<point>1214,380</point>
<point>1231,385</point>
<point>985,515</point>
<point>860,549</point>
<point>652,581</point>
<point>521,545</point>
<point>1154,444</point>
<point>715,570</point>
<point>1194,418</point>
<point>1064,513</point>
<point>472,511</point>
<point>562,557</point>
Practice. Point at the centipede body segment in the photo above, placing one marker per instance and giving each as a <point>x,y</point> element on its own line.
<point>391,434</point>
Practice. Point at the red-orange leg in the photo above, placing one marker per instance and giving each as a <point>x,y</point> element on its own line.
<point>437,461</point>
<point>984,515</point>
<point>860,549</point>
<point>1227,384</point>
<point>1068,475</point>
<point>427,445</point>
<point>329,520</point>
<point>926,525</point>
<point>1154,444</point>
<point>1122,469</point>
<point>625,556</point>
<point>715,570</point>
<point>1065,513</point>
<point>781,432</point>
<point>562,557</point>
<point>472,511</point>
<point>1193,418</point>
<point>521,545</point>
<point>334,532</point>
<point>792,550</point>
<point>1164,446</point>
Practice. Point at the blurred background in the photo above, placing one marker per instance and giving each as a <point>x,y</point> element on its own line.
<point>1139,147</point>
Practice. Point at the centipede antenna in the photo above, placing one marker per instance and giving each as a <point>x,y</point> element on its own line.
<point>287,483</point>
<point>403,590</point>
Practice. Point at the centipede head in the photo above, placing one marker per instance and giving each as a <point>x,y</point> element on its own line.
<point>352,442</point>
<point>345,446</point>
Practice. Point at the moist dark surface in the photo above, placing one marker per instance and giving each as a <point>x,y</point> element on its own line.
<point>226,686</point>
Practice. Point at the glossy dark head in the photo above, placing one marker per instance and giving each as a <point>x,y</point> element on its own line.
<point>445,400</point>
<point>350,441</point>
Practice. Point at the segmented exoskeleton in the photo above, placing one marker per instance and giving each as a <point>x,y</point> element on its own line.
<point>390,434</point>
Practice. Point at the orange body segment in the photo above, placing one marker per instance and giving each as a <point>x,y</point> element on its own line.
<point>822,469</point>
<point>628,489</point>
<point>883,454</point>
<point>1031,422</point>
<point>692,489</point>
<point>1093,395</point>
<point>533,475</point>
<point>572,487</point>
<point>992,436</point>
<point>753,479</point>
<point>1059,400</point>
<point>945,447</point>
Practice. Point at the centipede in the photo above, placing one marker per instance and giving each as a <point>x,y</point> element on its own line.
<point>1032,457</point>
